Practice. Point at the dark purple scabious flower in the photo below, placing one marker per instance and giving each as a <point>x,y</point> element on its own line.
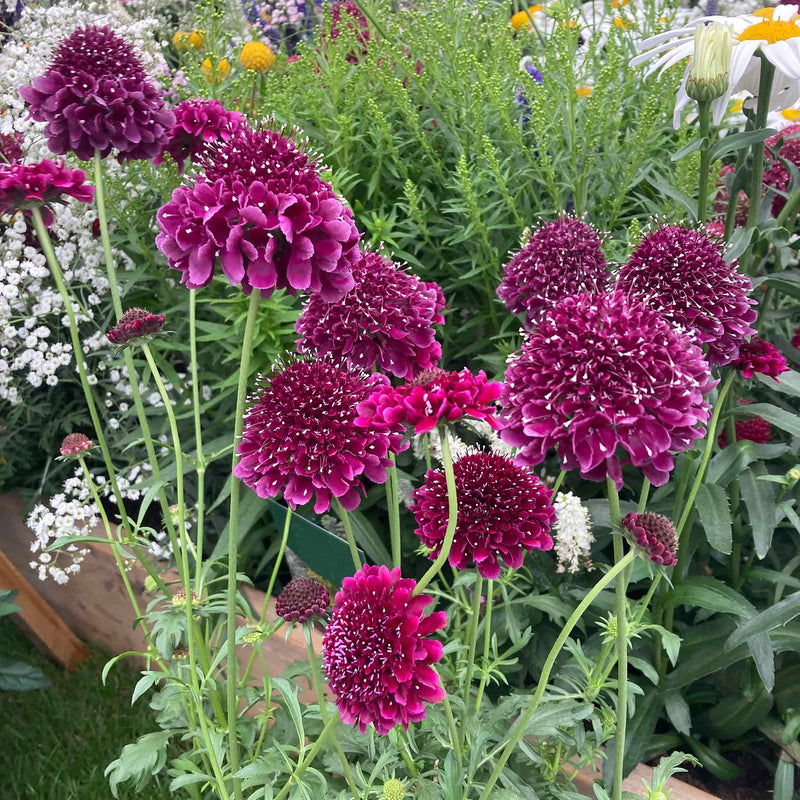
<point>300,435</point>
<point>262,210</point>
<point>602,374</point>
<point>377,652</point>
<point>95,96</point>
<point>10,148</point>
<point>754,429</point>
<point>26,186</point>
<point>74,445</point>
<point>796,339</point>
<point>776,174</point>
<point>504,511</point>
<point>680,272</point>
<point>135,325</point>
<point>434,396</point>
<point>655,534</point>
<point>198,122</point>
<point>762,357</point>
<point>386,319</point>
<point>301,600</point>
<point>562,257</point>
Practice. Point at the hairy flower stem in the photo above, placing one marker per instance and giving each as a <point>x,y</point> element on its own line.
<point>451,724</point>
<point>522,723</point>
<point>200,459</point>
<point>309,757</point>
<point>452,513</point>
<point>316,679</point>
<point>621,614</point>
<point>133,377</point>
<point>405,751</point>
<point>487,641</point>
<point>348,530</point>
<point>472,641</point>
<point>233,543</point>
<point>393,500</point>
<point>58,277</point>
<point>704,114</point>
<point>287,524</point>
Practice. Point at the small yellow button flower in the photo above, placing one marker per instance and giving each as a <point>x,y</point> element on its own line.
<point>214,76</point>
<point>522,19</point>
<point>196,39</point>
<point>257,57</point>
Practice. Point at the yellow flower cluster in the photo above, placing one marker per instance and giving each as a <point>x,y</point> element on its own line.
<point>183,40</point>
<point>256,57</point>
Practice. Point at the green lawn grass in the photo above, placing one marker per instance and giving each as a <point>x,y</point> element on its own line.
<point>55,743</point>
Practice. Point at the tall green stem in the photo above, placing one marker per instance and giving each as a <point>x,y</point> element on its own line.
<point>472,641</point>
<point>348,530</point>
<point>200,459</point>
<point>393,499</point>
<point>77,349</point>
<point>621,614</point>
<point>766,76</point>
<point>522,723</point>
<point>452,513</point>
<point>704,109</point>
<point>113,285</point>
<point>487,641</point>
<point>233,542</point>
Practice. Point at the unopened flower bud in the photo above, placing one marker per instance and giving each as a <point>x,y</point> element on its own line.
<point>708,72</point>
<point>179,598</point>
<point>794,474</point>
<point>150,584</point>
<point>393,789</point>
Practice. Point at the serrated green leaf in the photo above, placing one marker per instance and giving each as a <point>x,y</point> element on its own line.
<point>715,516</point>
<point>767,620</point>
<point>759,497</point>
<point>785,420</point>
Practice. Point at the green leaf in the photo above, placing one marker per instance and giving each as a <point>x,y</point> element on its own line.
<point>759,497</point>
<point>728,464</point>
<point>761,651</point>
<point>139,761</point>
<point>714,762</point>
<point>784,780</point>
<point>785,420</point>
<point>678,712</point>
<point>144,683</point>
<point>715,516</point>
<point>664,188</point>
<point>711,594</point>
<point>738,244</point>
<point>789,382</point>
<point>15,676</point>
<point>739,141</point>
<point>776,615</point>
<point>63,541</point>
<point>732,717</point>
<point>687,149</point>
<point>367,537</point>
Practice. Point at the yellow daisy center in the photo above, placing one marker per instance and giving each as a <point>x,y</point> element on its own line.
<point>767,13</point>
<point>791,114</point>
<point>522,19</point>
<point>770,30</point>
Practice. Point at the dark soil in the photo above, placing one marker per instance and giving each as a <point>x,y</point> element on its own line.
<point>756,782</point>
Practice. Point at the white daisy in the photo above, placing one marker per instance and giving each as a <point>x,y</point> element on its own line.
<point>775,32</point>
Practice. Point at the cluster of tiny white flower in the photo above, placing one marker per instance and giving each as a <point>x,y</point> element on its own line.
<point>73,512</point>
<point>459,448</point>
<point>572,532</point>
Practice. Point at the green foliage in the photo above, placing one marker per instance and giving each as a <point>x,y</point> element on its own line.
<point>17,676</point>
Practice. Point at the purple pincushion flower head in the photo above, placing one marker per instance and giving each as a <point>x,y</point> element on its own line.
<point>95,97</point>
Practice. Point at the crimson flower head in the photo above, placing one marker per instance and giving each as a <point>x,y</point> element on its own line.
<point>680,272</point>
<point>602,378</point>
<point>562,257</point>
<point>776,175</point>
<point>504,511</point>
<point>753,428</point>
<point>197,123</point>
<point>796,338</point>
<point>301,600</point>
<point>655,534</point>
<point>434,396</point>
<point>95,95</point>
<point>300,435</point>
<point>74,445</point>
<point>377,652</point>
<point>760,356</point>
<point>26,186</point>
<point>10,148</point>
<point>262,210</point>
<point>134,325</point>
<point>385,320</point>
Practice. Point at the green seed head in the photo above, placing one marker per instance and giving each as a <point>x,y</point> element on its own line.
<point>393,789</point>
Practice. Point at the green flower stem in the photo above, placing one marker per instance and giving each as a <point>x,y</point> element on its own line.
<point>733,197</point>
<point>287,523</point>
<point>472,641</point>
<point>405,751</point>
<point>451,724</point>
<point>644,496</point>
<point>303,765</point>
<point>559,481</point>
<point>711,437</point>
<point>367,11</point>
<point>452,513</point>
<point>316,679</point>
<point>200,459</point>
<point>58,277</point>
<point>487,641</point>
<point>766,76</point>
<point>233,543</point>
<point>621,613</point>
<point>351,539</point>
<point>704,113</point>
<point>522,723</point>
<point>133,377</point>
<point>393,500</point>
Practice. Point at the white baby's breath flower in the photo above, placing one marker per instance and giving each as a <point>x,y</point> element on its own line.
<point>572,532</point>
